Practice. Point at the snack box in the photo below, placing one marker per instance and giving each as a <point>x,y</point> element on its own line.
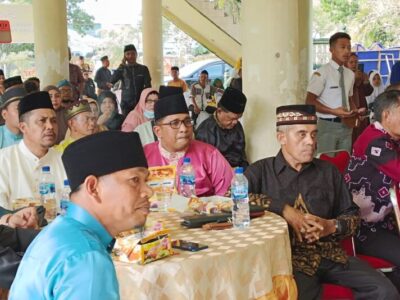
<point>162,181</point>
<point>133,249</point>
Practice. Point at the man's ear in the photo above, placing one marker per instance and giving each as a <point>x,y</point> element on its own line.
<point>69,124</point>
<point>281,137</point>
<point>157,131</point>
<point>4,114</point>
<point>92,187</point>
<point>385,115</point>
<point>22,127</point>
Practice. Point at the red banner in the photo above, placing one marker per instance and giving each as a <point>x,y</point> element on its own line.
<point>5,32</point>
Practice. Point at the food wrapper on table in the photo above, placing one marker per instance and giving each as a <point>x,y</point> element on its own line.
<point>210,205</point>
<point>24,202</point>
<point>143,248</point>
<point>202,205</point>
<point>162,181</point>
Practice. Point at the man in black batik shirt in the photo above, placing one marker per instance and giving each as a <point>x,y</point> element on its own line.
<point>312,197</point>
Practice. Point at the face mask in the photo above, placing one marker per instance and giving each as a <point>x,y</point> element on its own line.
<point>149,114</point>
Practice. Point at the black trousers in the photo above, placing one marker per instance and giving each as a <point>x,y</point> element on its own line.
<point>127,107</point>
<point>13,242</point>
<point>383,244</point>
<point>366,282</point>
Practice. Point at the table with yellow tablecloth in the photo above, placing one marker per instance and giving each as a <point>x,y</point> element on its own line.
<point>254,263</point>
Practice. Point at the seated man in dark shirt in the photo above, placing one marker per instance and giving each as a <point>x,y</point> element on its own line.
<point>313,198</point>
<point>16,233</point>
<point>373,169</point>
<point>224,131</point>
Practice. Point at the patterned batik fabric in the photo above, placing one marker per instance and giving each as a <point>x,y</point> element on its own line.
<point>373,169</point>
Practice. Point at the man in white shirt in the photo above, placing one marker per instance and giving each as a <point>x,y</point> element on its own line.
<point>201,94</point>
<point>331,89</point>
<point>21,164</point>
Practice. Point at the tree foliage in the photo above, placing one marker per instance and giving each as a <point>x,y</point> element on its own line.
<point>19,57</point>
<point>340,11</point>
<point>367,21</point>
<point>78,19</point>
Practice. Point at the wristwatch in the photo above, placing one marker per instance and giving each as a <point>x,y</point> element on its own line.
<point>338,227</point>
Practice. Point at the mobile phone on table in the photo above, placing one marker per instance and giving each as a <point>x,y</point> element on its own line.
<point>188,246</point>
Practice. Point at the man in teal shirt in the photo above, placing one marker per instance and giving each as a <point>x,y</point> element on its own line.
<point>9,132</point>
<point>70,258</point>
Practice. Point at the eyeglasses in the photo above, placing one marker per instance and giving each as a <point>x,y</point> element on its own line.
<point>150,101</point>
<point>176,124</point>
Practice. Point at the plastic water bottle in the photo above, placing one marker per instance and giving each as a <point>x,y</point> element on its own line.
<point>65,197</point>
<point>240,197</point>
<point>187,179</point>
<point>47,191</point>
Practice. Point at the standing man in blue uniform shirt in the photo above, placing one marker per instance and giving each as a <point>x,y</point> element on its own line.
<point>9,132</point>
<point>70,258</point>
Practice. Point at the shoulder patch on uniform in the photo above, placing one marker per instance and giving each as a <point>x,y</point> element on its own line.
<point>317,73</point>
<point>376,151</point>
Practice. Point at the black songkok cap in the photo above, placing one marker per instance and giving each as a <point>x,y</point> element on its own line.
<point>119,151</point>
<point>34,101</point>
<point>129,48</point>
<point>11,81</point>
<point>171,105</point>
<point>104,57</point>
<point>166,91</point>
<point>12,95</point>
<point>233,100</point>
<point>295,114</point>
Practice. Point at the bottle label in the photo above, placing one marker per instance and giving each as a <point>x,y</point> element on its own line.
<point>47,188</point>
<point>239,193</point>
<point>43,188</point>
<point>52,187</point>
<point>187,179</point>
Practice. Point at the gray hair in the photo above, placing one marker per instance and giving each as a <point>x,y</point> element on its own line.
<point>282,128</point>
<point>384,102</point>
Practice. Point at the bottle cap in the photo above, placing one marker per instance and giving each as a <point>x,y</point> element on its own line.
<point>66,182</point>
<point>46,169</point>
<point>239,170</point>
<point>186,160</point>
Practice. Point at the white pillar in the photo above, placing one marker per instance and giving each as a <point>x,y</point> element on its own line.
<point>305,46</point>
<point>273,59</point>
<point>152,40</point>
<point>51,40</point>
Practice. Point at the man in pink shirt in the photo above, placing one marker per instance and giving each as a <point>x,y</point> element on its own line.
<point>174,130</point>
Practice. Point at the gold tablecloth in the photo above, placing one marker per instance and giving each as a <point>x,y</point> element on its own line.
<point>239,264</point>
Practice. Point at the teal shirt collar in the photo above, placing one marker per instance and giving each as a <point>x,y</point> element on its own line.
<point>9,138</point>
<point>81,215</point>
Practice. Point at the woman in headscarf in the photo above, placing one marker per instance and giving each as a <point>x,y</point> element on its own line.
<point>143,112</point>
<point>375,79</point>
<point>361,89</point>
<point>94,106</point>
<point>109,111</point>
